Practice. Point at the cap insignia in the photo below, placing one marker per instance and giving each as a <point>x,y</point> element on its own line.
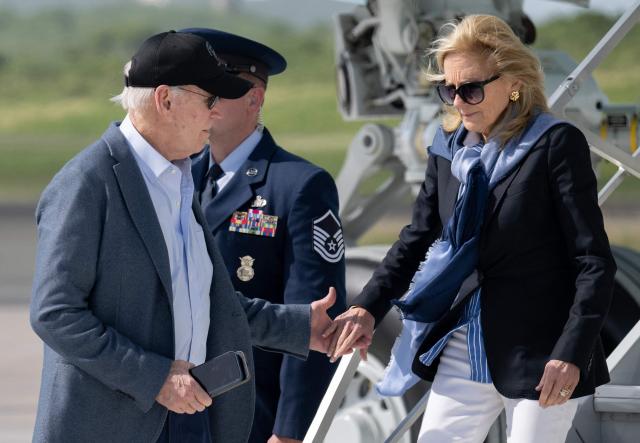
<point>210,50</point>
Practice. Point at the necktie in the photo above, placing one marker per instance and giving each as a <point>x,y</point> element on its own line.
<point>213,174</point>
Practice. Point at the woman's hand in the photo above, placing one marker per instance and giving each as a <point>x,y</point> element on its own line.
<point>558,382</point>
<point>353,329</point>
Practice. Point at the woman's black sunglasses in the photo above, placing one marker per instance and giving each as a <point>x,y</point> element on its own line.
<point>471,93</point>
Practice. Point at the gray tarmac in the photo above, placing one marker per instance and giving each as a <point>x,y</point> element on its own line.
<point>22,363</point>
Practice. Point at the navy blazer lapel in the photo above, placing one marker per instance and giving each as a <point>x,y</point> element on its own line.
<point>199,170</point>
<point>240,189</point>
<point>536,129</point>
<point>451,196</point>
<point>139,204</point>
<point>497,195</point>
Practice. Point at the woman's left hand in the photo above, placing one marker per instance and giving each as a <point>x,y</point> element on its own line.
<point>558,382</point>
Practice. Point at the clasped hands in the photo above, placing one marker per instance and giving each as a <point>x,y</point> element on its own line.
<point>353,329</point>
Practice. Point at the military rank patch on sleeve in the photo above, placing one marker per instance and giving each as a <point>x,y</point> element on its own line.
<point>327,237</point>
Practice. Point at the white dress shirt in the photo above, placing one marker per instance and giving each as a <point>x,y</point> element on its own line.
<point>170,186</point>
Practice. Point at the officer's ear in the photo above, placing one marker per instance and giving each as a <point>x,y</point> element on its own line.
<point>256,97</point>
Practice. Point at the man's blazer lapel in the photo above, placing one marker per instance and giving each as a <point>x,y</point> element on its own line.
<point>199,170</point>
<point>138,202</point>
<point>240,189</point>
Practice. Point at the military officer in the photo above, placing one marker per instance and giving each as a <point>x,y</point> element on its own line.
<point>275,219</point>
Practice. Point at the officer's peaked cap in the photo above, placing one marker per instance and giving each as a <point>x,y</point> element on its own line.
<point>242,54</point>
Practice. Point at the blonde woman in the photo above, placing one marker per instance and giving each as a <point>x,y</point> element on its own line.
<point>506,259</point>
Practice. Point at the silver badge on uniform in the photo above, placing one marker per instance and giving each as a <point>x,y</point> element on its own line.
<point>252,172</point>
<point>327,237</point>
<point>259,202</point>
<point>245,272</point>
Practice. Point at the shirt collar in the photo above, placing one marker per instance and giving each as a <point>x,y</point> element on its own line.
<point>240,154</point>
<point>152,158</point>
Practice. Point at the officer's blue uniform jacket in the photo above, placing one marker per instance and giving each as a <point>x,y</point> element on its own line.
<point>297,265</point>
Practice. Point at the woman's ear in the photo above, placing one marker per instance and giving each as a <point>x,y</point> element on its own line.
<point>516,85</point>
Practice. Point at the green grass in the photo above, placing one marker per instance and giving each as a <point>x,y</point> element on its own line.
<point>30,161</point>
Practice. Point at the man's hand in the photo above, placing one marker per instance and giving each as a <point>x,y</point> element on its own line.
<point>275,439</point>
<point>320,321</point>
<point>353,329</point>
<point>558,382</point>
<point>181,393</point>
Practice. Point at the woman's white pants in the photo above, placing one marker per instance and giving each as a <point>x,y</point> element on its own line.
<point>461,410</point>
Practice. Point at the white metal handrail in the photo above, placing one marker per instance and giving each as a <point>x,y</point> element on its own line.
<point>332,398</point>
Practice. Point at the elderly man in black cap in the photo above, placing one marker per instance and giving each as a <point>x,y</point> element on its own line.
<point>275,219</point>
<point>130,292</point>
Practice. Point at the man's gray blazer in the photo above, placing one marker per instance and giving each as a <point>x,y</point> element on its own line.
<point>102,304</point>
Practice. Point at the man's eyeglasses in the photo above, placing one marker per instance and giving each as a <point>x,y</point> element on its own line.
<point>471,93</point>
<point>211,99</point>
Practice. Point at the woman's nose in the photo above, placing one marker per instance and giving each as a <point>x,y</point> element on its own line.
<point>457,101</point>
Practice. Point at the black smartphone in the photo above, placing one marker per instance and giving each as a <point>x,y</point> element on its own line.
<point>222,373</point>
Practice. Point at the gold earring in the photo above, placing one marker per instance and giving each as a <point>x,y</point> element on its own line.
<point>515,95</point>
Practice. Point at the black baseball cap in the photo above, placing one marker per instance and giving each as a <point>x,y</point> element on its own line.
<point>176,59</point>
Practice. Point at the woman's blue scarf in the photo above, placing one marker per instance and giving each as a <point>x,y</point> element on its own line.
<point>452,258</point>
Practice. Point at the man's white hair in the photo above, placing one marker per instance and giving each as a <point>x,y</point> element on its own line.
<point>135,98</point>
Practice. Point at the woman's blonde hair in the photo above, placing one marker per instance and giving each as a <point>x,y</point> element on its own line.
<point>491,38</point>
